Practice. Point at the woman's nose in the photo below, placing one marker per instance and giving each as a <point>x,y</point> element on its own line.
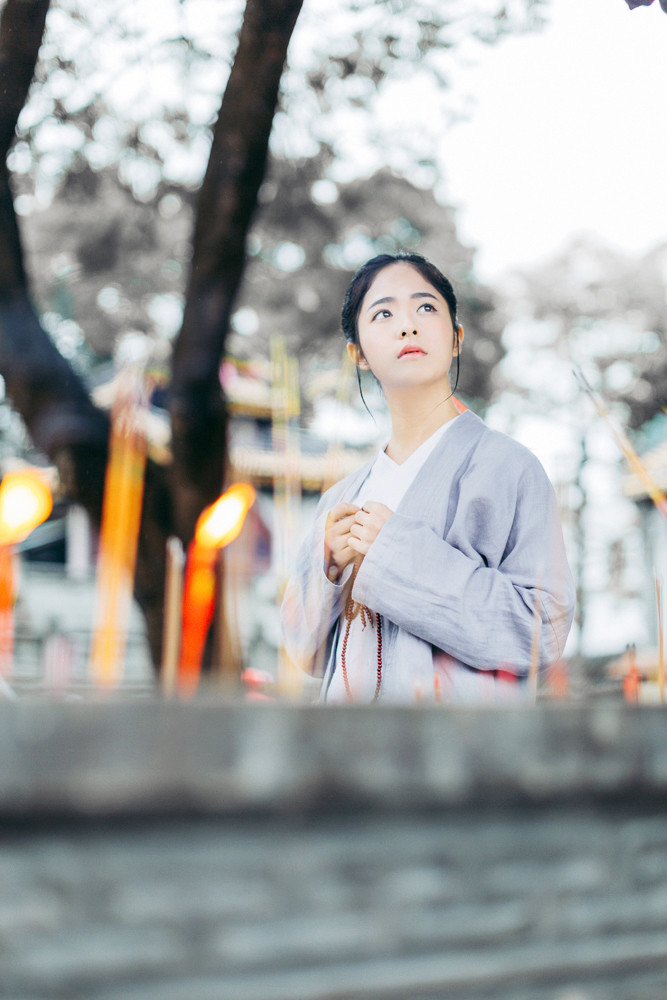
<point>404,333</point>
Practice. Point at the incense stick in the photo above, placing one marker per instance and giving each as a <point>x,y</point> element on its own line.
<point>227,631</point>
<point>333,464</point>
<point>623,441</point>
<point>332,471</point>
<point>292,677</point>
<point>661,655</point>
<point>279,406</point>
<point>535,646</point>
<point>279,410</point>
<point>285,413</point>
<point>171,632</point>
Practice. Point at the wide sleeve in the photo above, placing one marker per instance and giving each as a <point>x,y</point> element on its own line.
<point>312,603</point>
<point>494,587</point>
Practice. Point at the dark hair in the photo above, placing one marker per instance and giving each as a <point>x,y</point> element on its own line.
<point>366,274</point>
<point>362,281</point>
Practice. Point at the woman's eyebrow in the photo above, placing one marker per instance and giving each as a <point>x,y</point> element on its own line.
<point>390,298</point>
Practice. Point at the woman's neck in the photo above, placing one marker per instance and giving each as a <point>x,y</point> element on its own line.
<point>414,417</point>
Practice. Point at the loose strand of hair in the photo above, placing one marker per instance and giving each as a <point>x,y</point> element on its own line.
<point>361,393</point>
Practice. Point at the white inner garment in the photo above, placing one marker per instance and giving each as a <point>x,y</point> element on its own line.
<point>387,483</point>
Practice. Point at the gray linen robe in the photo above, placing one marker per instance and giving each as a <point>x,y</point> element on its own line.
<point>468,574</point>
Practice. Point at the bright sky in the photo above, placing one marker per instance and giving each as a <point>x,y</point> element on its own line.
<point>568,135</point>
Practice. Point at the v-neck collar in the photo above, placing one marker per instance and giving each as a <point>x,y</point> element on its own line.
<point>452,447</point>
<point>427,445</point>
<point>448,453</point>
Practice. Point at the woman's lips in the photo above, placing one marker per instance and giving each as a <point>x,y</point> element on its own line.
<point>411,352</point>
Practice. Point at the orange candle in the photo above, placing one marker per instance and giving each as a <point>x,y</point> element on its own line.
<point>25,501</point>
<point>6,611</point>
<point>218,525</point>
<point>119,533</point>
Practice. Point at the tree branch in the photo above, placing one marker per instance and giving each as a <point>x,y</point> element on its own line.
<point>227,200</point>
<point>21,29</point>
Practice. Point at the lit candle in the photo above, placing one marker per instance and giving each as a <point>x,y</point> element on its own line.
<point>632,682</point>
<point>218,525</point>
<point>25,501</point>
<point>6,610</point>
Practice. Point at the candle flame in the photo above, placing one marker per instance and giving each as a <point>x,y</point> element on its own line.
<point>221,523</point>
<point>25,502</point>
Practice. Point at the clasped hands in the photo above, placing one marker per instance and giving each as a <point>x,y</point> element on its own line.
<point>349,533</point>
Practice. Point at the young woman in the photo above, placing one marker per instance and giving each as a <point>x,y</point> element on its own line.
<point>437,571</point>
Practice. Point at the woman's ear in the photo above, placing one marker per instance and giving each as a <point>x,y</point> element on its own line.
<point>458,340</point>
<point>356,356</point>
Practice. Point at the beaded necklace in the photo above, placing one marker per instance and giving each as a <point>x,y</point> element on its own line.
<point>352,610</point>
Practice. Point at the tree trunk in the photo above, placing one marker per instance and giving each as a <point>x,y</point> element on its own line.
<point>21,29</point>
<point>52,400</point>
<point>227,200</point>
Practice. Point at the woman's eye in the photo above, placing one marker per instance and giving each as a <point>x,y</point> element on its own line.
<point>383,313</point>
<point>426,306</point>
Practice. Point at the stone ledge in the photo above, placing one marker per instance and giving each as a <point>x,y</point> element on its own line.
<point>212,757</point>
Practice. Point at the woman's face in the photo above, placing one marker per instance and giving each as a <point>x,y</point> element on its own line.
<point>406,334</point>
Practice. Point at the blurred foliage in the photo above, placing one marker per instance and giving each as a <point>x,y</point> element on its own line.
<point>104,263</point>
<point>119,86</point>
<point>304,252</point>
<point>112,144</point>
<point>592,308</point>
<point>608,312</point>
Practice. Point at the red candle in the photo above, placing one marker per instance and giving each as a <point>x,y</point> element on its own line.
<point>6,611</point>
<point>218,525</point>
<point>25,501</point>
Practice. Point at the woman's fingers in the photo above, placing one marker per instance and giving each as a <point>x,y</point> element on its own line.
<point>337,534</point>
<point>350,530</point>
<point>340,511</point>
<point>339,520</point>
<point>369,520</point>
<point>374,507</point>
<point>358,546</point>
